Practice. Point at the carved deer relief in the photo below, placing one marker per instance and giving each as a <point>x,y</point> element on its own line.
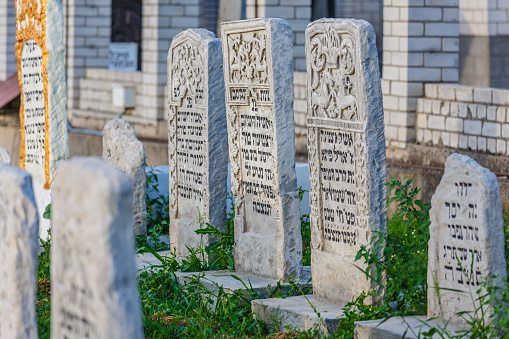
<point>332,73</point>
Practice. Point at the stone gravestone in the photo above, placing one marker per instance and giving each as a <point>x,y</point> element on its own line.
<point>466,246</point>
<point>122,148</point>
<point>466,237</point>
<point>43,115</point>
<point>258,73</point>
<point>19,224</point>
<point>5,157</point>
<point>93,274</point>
<point>197,137</point>
<point>346,151</point>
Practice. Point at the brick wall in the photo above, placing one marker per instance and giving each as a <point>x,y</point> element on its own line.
<point>484,17</point>
<point>8,65</point>
<point>162,20</point>
<point>421,44</point>
<point>463,117</point>
<point>87,37</point>
<point>296,12</point>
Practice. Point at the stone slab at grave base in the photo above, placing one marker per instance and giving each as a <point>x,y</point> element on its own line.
<point>146,260</point>
<point>410,327</point>
<point>212,280</point>
<point>296,313</point>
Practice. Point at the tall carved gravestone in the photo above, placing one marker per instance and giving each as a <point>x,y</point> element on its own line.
<point>346,153</point>
<point>259,102</point>
<point>93,274</point>
<point>466,237</point>
<point>41,73</point>
<point>19,224</point>
<point>122,149</point>
<point>197,137</point>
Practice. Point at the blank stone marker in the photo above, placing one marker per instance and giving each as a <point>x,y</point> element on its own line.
<point>122,148</point>
<point>197,138</point>
<point>93,274</point>
<point>258,66</point>
<point>466,237</point>
<point>19,224</point>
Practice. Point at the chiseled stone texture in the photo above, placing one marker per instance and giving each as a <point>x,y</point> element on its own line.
<point>122,148</point>
<point>19,243</point>
<point>5,157</point>
<point>93,274</point>
<point>197,138</point>
<point>259,104</point>
<point>346,154</point>
<point>466,233</point>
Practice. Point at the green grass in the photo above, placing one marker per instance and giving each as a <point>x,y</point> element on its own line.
<point>173,310</point>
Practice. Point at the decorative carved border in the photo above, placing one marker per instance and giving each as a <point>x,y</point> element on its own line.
<point>31,25</point>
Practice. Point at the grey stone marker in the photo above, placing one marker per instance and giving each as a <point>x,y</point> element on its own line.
<point>5,157</point>
<point>197,138</point>
<point>19,225</point>
<point>43,114</point>
<point>466,246</point>
<point>258,65</point>
<point>346,150</point>
<point>93,274</point>
<point>466,237</point>
<point>346,153</point>
<point>122,148</point>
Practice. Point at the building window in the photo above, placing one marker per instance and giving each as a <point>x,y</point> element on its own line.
<point>126,16</point>
<point>322,9</point>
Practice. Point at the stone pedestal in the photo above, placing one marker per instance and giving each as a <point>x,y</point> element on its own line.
<point>299,313</point>
<point>402,327</point>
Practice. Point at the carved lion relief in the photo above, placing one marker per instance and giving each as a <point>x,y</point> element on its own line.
<point>332,76</point>
<point>187,74</point>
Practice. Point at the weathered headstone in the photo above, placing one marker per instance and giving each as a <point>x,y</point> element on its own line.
<point>197,137</point>
<point>346,153</point>
<point>258,66</point>
<point>93,274</point>
<point>466,237</point>
<point>122,148</point>
<point>466,246</point>
<point>5,157</point>
<point>43,115</point>
<point>19,224</point>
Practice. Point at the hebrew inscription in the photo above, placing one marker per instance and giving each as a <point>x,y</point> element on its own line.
<point>191,128</point>
<point>465,235</point>
<point>262,146</point>
<point>252,114</point>
<point>197,137</point>
<point>346,153</point>
<point>34,109</point>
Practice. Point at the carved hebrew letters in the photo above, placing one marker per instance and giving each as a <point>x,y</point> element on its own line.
<point>337,148</point>
<point>466,238</point>
<point>197,138</point>
<point>254,158</point>
<point>258,77</point>
<point>34,109</point>
<point>346,153</point>
<point>188,130</point>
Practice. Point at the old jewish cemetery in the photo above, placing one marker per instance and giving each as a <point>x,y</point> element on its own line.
<point>217,242</point>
